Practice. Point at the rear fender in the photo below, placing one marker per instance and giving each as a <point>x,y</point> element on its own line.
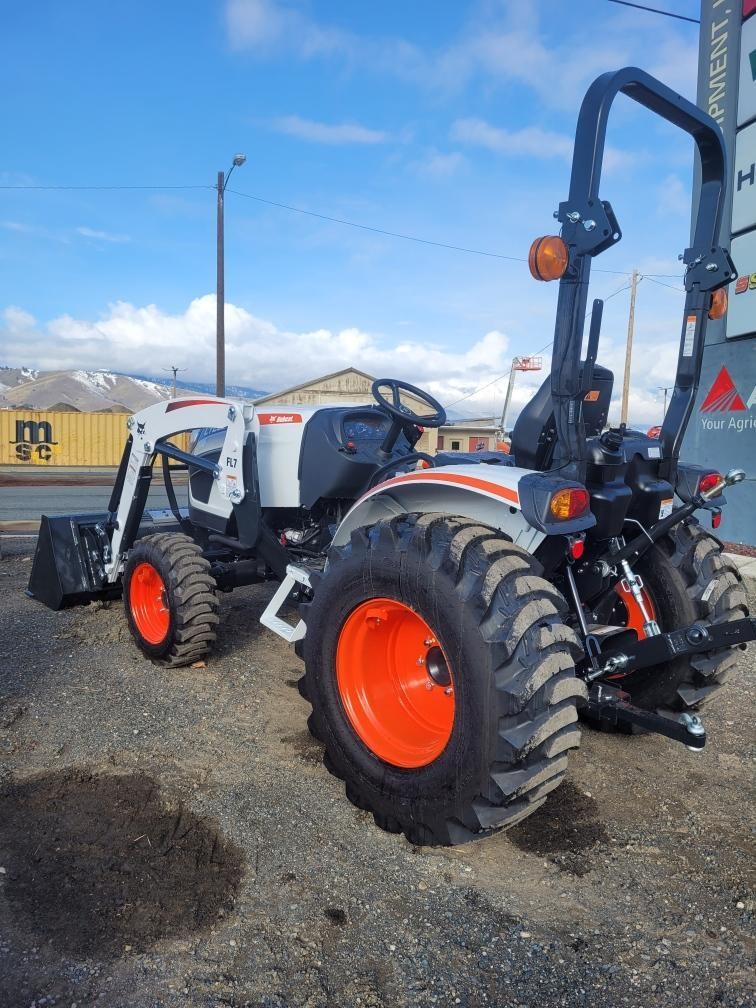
<point>489,496</point>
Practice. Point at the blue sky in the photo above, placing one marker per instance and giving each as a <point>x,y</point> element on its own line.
<point>451,121</point>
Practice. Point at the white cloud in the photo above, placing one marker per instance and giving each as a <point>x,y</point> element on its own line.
<point>328,133</point>
<point>674,196</point>
<point>107,236</point>
<point>128,338</point>
<point>146,339</point>
<point>265,25</point>
<point>21,228</point>
<point>531,141</point>
<point>437,165</point>
<point>502,41</point>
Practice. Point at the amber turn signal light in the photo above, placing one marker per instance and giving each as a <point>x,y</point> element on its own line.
<point>548,258</point>
<point>570,503</point>
<point>718,303</point>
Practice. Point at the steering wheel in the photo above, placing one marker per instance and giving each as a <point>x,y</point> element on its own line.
<point>400,414</point>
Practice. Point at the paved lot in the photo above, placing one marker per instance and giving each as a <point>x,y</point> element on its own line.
<point>171,838</point>
<point>52,494</point>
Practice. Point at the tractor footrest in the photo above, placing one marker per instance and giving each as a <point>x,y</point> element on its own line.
<point>270,618</point>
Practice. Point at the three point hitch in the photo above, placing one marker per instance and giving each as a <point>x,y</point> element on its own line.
<point>608,703</point>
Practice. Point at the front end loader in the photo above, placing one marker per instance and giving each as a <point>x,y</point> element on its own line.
<point>455,613</point>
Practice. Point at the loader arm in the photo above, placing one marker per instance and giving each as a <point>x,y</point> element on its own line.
<point>149,430</point>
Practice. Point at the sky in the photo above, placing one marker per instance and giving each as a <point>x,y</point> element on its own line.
<point>445,120</point>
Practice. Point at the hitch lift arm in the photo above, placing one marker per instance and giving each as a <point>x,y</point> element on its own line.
<point>607,703</point>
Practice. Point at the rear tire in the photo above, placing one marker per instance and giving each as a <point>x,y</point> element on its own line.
<point>687,579</point>
<point>170,598</point>
<point>511,662</point>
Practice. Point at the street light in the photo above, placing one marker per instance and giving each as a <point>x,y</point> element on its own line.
<point>220,293</point>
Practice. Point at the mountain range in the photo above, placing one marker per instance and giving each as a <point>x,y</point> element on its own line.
<point>94,391</point>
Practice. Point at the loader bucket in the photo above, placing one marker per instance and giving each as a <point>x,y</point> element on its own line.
<point>68,566</point>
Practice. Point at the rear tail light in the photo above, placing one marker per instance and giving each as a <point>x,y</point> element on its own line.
<point>576,547</point>
<point>570,503</point>
<point>709,481</point>
<point>716,518</point>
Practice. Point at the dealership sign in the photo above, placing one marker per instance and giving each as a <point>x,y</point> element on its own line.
<point>744,180</point>
<point>724,397</point>
<point>741,310</point>
<point>747,83</point>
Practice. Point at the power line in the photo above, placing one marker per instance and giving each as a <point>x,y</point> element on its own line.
<point>655,10</point>
<point>396,234</point>
<point>313,213</point>
<point>97,188</point>
<point>376,230</point>
<point>680,290</point>
<point>542,350</point>
<point>300,210</point>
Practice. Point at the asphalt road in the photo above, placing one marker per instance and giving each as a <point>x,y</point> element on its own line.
<point>27,503</point>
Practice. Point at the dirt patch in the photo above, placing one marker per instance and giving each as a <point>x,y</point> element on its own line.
<point>563,829</point>
<point>305,746</point>
<point>332,910</point>
<point>100,864</point>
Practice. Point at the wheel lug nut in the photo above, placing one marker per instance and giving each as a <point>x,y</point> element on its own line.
<point>420,660</point>
<point>429,685</point>
<point>448,691</point>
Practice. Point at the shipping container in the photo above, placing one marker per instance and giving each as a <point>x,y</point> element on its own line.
<point>46,438</point>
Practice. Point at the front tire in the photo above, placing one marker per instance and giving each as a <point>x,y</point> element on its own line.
<point>415,607</point>
<point>170,598</point>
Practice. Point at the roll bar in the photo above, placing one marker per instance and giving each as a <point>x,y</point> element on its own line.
<point>589,227</point>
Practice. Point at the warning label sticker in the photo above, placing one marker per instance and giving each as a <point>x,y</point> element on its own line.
<point>690,335</point>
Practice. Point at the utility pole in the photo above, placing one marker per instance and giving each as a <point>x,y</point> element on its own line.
<point>665,389</point>
<point>220,291</point>
<point>629,348</point>
<point>175,370</point>
<point>220,297</point>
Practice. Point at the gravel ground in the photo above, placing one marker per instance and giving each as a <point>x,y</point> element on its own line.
<point>171,838</point>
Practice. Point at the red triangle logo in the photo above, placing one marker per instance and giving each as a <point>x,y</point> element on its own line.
<point>723,396</point>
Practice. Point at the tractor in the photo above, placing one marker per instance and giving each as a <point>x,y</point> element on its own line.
<point>456,614</point>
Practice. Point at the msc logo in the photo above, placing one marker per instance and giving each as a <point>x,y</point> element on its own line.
<point>33,438</point>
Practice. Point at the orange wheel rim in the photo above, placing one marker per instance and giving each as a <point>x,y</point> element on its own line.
<point>148,603</point>
<point>634,619</point>
<point>395,683</point>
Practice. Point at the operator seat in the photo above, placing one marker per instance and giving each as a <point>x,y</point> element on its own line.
<point>534,433</point>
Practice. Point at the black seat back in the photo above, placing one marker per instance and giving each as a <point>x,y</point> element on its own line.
<point>534,432</point>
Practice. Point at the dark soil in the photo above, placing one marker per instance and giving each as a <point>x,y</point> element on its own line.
<point>564,829</point>
<point>95,863</point>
